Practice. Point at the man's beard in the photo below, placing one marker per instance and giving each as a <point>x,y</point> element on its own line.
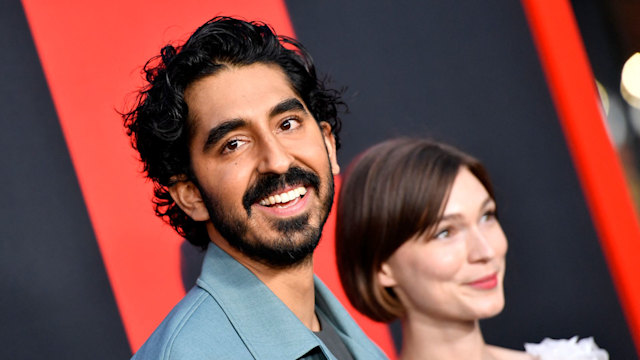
<point>298,237</point>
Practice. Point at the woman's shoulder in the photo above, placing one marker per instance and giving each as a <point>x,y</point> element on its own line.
<point>509,354</point>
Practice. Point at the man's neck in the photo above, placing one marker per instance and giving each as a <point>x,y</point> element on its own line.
<point>292,285</point>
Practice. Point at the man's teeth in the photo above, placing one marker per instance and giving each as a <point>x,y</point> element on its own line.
<point>283,197</point>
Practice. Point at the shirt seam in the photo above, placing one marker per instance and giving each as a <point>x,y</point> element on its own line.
<point>210,291</point>
<point>169,348</point>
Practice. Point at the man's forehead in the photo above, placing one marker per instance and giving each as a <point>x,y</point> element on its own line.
<point>240,75</point>
<point>245,92</point>
<point>246,96</point>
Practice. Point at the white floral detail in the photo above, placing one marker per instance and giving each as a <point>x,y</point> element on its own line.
<point>563,349</point>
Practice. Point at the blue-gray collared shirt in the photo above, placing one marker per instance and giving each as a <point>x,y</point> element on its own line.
<point>231,314</point>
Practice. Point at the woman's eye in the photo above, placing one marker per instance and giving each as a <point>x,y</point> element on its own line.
<point>488,215</point>
<point>442,234</point>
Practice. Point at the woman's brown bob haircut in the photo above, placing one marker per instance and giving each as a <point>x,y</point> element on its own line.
<point>393,192</point>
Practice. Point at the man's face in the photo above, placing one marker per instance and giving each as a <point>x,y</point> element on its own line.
<point>264,168</point>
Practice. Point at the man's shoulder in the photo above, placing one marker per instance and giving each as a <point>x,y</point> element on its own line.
<point>196,328</point>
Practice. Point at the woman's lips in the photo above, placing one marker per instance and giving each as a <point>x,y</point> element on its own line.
<point>485,283</point>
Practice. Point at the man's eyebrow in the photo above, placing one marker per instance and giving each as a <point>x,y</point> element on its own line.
<point>287,105</point>
<point>220,131</point>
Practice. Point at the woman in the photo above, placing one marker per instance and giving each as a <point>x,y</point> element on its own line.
<point>417,238</point>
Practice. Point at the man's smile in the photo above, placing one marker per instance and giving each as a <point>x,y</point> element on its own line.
<point>292,201</point>
<point>280,191</point>
<point>282,198</point>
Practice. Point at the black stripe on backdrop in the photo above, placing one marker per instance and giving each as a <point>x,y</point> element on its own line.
<point>56,300</point>
<point>468,73</point>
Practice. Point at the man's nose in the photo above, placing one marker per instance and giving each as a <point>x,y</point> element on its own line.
<point>274,157</point>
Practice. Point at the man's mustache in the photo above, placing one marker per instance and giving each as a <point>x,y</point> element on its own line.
<point>270,183</point>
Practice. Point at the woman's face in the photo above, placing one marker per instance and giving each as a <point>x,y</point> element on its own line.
<point>457,273</point>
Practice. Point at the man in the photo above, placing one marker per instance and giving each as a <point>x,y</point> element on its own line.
<point>240,138</point>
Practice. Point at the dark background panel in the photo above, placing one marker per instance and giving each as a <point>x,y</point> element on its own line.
<point>56,300</point>
<point>468,73</point>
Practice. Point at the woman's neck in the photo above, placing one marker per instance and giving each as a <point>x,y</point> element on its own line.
<point>427,339</point>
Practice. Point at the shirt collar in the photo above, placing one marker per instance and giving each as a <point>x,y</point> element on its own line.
<point>354,338</point>
<point>265,324</point>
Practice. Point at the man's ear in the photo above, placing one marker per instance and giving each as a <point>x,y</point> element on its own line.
<point>186,194</point>
<point>385,276</point>
<point>330,143</point>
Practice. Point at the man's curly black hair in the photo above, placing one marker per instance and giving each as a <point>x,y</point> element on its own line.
<point>158,122</point>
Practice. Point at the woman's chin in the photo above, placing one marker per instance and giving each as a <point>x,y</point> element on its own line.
<point>490,309</point>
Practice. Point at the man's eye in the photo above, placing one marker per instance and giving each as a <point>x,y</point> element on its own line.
<point>232,145</point>
<point>289,124</point>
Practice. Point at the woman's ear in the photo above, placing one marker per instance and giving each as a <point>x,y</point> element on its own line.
<point>186,194</point>
<point>385,276</point>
